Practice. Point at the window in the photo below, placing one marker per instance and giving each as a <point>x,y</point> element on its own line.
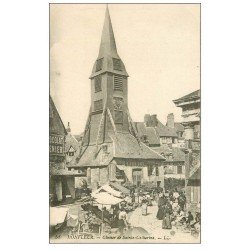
<point>98,105</point>
<point>119,174</point>
<point>98,83</point>
<point>99,64</point>
<point>71,153</point>
<point>169,169</point>
<point>118,83</point>
<point>163,140</point>
<point>179,169</point>
<point>150,170</point>
<point>157,171</point>
<point>118,117</point>
<point>117,64</point>
<point>196,135</point>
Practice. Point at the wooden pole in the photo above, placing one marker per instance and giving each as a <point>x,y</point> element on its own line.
<point>102,220</point>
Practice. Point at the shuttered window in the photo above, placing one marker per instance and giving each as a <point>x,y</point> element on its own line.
<point>118,117</point>
<point>118,83</point>
<point>98,105</point>
<point>117,64</point>
<point>179,169</point>
<point>150,170</point>
<point>99,65</point>
<point>98,83</point>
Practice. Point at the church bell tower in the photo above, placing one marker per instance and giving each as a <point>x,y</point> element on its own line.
<point>109,90</point>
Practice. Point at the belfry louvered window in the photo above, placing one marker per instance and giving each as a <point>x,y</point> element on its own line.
<point>98,83</point>
<point>99,64</point>
<point>118,83</point>
<point>117,64</point>
<point>118,117</point>
<point>98,105</point>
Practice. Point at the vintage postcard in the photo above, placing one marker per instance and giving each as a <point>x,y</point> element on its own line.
<point>124,123</point>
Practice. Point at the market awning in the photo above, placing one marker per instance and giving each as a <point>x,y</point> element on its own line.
<point>108,189</point>
<point>106,199</point>
<point>120,188</point>
<point>58,215</point>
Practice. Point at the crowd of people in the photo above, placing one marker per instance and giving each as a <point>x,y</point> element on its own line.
<point>172,211</point>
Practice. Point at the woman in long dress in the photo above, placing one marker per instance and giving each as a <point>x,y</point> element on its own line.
<point>144,207</point>
<point>166,222</point>
<point>122,222</point>
<point>161,203</point>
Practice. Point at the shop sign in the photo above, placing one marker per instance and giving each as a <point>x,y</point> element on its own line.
<point>56,144</point>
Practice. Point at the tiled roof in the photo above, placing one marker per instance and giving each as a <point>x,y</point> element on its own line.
<point>94,156</point>
<point>142,130</point>
<point>124,146</point>
<point>177,154</point>
<point>154,133</point>
<point>58,169</point>
<point>70,141</point>
<point>163,130</point>
<point>178,127</point>
<point>55,123</point>
<point>79,137</point>
<point>153,137</point>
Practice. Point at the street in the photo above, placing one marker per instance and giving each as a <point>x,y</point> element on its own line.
<point>135,218</point>
<point>154,227</point>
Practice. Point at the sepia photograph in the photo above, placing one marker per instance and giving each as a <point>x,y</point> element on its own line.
<point>124,123</point>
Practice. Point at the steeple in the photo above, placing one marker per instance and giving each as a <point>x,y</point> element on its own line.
<point>108,59</point>
<point>107,46</point>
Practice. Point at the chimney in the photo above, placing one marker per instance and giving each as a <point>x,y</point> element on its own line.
<point>68,128</point>
<point>154,120</point>
<point>170,120</point>
<point>147,120</point>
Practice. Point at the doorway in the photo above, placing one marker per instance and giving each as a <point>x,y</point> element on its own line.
<point>137,177</point>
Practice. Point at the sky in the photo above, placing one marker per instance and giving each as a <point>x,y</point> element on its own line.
<point>158,43</point>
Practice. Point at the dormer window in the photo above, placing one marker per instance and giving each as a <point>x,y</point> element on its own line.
<point>99,64</point>
<point>71,151</point>
<point>117,64</point>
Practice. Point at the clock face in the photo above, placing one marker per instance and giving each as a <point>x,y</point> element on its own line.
<point>117,101</point>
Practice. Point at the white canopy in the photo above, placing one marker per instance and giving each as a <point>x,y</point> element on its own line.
<point>107,189</point>
<point>58,215</point>
<point>106,199</point>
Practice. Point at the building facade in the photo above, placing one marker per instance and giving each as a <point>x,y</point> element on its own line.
<point>62,181</point>
<point>190,105</point>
